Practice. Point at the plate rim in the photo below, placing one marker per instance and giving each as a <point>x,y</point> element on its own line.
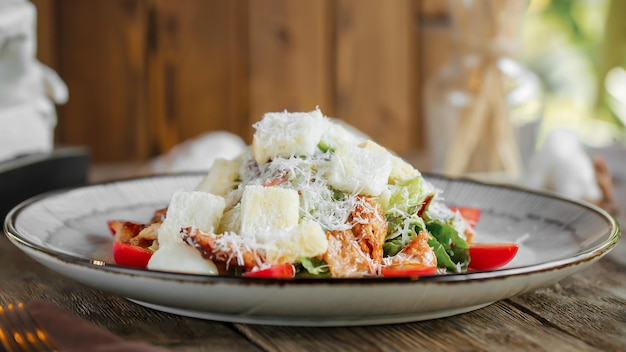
<point>578,258</point>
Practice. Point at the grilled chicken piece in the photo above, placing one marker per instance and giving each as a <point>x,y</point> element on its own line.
<point>138,234</point>
<point>147,237</point>
<point>124,231</point>
<point>219,248</point>
<point>370,227</point>
<point>358,251</point>
<point>345,256</point>
<point>159,215</point>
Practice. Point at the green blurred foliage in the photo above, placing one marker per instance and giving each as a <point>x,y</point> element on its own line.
<point>571,45</point>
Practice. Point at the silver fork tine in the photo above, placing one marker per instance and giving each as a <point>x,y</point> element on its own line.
<point>25,331</point>
<point>8,333</point>
<point>41,337</point>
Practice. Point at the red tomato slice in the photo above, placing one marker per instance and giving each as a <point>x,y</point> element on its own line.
<point>408,270</point>
<point>131,255</point>
<point>278,271</point>
<point>471,215</point>
<point>489,256</point>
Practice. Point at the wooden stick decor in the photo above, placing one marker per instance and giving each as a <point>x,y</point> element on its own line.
<point>485,139</point>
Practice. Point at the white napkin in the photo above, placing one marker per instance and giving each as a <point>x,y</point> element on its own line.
<point>28,89</point>
<point>198,154</point>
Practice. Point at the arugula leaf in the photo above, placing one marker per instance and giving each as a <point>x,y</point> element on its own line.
<point>443,259</point>
<point>393,246</point>
<point>455,247</point>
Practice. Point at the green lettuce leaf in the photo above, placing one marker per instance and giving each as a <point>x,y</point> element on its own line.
<point>312,267</point>
<point>409,194</point>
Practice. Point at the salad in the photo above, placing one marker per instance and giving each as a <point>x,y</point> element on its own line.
<point>309,198</point>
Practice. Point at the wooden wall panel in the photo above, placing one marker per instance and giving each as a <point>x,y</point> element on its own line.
<point>145,75</point>
<point>103,63</point>
<point>196,68</point>
<point>376,63</point>
<point>47,32</point>
<point>437,48</point>
<point>436,45</point>
<point>434,10</point>
<point>290,56</point>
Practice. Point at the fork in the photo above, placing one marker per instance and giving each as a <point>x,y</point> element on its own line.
<point>19,332</point>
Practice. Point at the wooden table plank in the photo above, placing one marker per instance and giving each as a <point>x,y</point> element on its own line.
<point>500,326</point>
<point>590,305</point>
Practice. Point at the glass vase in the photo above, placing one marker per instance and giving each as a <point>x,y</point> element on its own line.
<point>483,108</point>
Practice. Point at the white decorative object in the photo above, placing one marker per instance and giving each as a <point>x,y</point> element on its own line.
<point>28,89</point>
<point>563,166</point>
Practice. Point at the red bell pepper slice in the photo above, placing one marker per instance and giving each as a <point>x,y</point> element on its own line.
<point>278,271</point>
<point>471,215</point>
<point>490,256</point>
<point>398,270</point>
<point>131,255</point>
<point>424,205</point>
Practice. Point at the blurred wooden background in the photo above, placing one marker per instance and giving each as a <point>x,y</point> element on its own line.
<point>144,75</point>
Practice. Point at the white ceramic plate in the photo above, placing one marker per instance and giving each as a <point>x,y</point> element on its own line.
<point>67,232</point>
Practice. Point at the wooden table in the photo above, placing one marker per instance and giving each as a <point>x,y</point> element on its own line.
<point>585,312</point>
